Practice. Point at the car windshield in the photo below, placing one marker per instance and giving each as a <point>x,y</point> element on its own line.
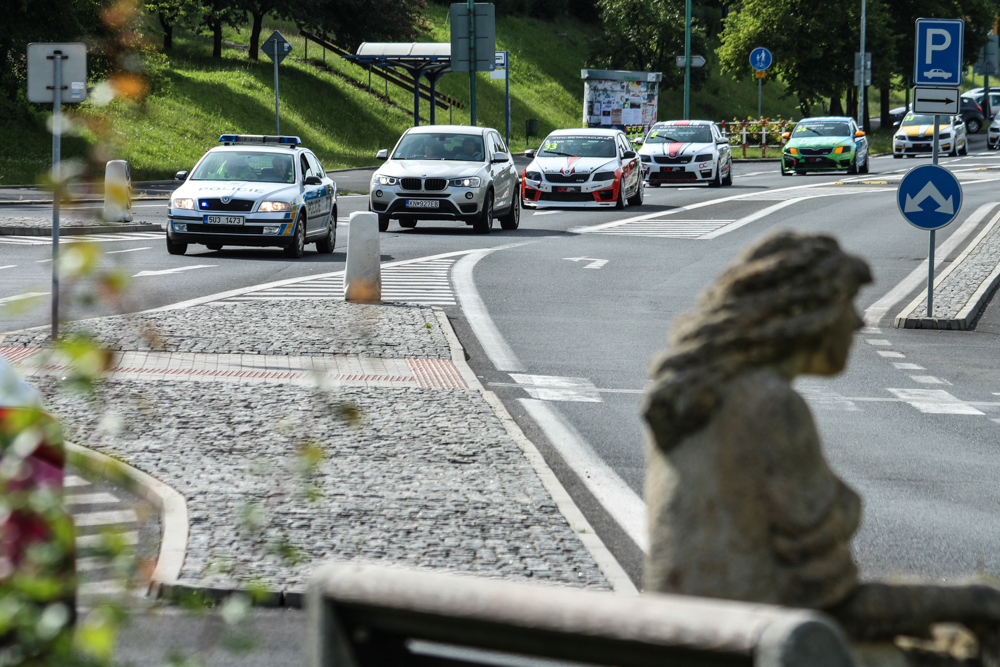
<point>919,119</point>
<point>699,134</point>
<point>825,129</point>
<point>573,145</point>
<point>423,146</point>
<point>245,166</point>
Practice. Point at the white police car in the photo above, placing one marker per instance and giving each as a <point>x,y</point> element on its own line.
<point>254,190</point>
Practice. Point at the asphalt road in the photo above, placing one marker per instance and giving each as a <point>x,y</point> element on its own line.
<point>928,480</point>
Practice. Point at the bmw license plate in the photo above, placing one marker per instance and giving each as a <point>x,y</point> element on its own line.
<point>223,219</point>
<point>423,203</point>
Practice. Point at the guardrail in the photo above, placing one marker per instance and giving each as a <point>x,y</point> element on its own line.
<point>756,134</point>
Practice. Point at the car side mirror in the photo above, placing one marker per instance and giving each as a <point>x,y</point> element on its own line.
<point>313,180</point>
<point>383,154</point>
<point>896,124</point>
<point>529,153</point>
<point>500,157</point>
<point>628,155</point>
<point>786,135</point>
<point>721,142</point>
<point>859,133</point>
<point>181,176</point>
<point>637,142</point>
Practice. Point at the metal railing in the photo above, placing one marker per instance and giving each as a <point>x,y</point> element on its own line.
<point>762,134</point>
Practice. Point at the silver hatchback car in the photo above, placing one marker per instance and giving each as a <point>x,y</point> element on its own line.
<point>447,172</point>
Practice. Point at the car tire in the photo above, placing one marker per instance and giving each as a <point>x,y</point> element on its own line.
<point>214,246</point>
<point>484,222</point>
<point>639,196</point>
<point>513,218</point>
<point>897,156</point>
<point>652,184</point>
<point>175,248</point>
<point>784,172</point>
<point>853,169</point>
<point>973,125</point>
<point>866,167</point>
<point>964,150</point>
<point>717,181</point>
<point>326,244</point>
<point>407,224</point>
<point>383,223</point>
<point>954,149</point>
<point>621,203</point>
<point>728,180</point>
<point>297,247</point>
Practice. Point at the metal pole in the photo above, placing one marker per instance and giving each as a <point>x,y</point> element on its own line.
<point>506,58</point>
<point>930,253</point>
<point>864,69</point>
<point>472,63</point>
<point>416,96</point>
<point>57,58</point>
<point>277,123</point>
<point>760,97</point>
<point>687,60</point>
<point>433,78</point>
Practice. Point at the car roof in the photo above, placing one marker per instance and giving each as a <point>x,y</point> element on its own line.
<point>595,131</point>
<point>826,118</point>
<point>449,129</point>
<point>257,148</point>
<point>685,122</point>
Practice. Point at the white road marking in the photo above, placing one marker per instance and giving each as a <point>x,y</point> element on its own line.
<point>753,218</point>
<point>105,518</point>
<point>891,354</point>
<point>9,266</point>
<point>90,541</point>
<point>179,269</point>
<point>554,388</point>
<point>928,379</point>
<point>617,497</point>
<point>20,297</point>
<point>935,402</point>
<point>918,276</point>
<point>878,341</point>
<point>42,261</point>
<point>904,366</point>
<point>496,348</point>
<point>546,212</point>
<point>594,263</point>
<point>114,252</point>
<point>89,498</point>
<point>74,480</point>
<point>826,399</point>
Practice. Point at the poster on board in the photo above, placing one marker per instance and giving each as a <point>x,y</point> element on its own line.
<point>614,98</point>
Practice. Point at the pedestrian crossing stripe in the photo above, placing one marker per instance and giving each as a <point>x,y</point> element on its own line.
<point>665,228</point>
<point>81,238</point>
<point>424,283</point>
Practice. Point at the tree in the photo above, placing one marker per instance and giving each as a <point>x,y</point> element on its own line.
<point>258,9</point>
<point>171,13</point>
<point>351,22</point>
<point>647,36</point>
<point>217,13</point>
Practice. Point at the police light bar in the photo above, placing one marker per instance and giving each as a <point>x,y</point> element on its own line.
<point>262,139</point>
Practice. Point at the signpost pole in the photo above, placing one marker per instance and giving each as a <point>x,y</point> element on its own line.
<point>687,60</point>
<point>506,59</point>
<point>760,97</point>
<point>472,62</point>
<point>277,123</point>
<point>930,252</point>
<point>57,87</point>
<point>864,70</point>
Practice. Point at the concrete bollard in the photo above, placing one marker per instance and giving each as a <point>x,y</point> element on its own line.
<point>363,275</point>
<point>117,192</point>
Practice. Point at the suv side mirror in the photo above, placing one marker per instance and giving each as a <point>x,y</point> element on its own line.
<point>181,176</point>
<point>529,153</point>
<point>383,154</point>
<point>500,157</point>
<point>628,155</point>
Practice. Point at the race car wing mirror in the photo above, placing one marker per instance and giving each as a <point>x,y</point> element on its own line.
<point>628,155</point>
<point>529,153</point>
<point>859,133</point>
<point>181,176</point>
<point>786,135</point>
<point>383,154</point>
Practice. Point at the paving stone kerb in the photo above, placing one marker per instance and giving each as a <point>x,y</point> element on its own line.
<point>962,289</point>
<point>295,327</point>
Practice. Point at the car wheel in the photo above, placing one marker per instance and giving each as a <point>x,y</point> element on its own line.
<point>297,247</point>
<point>897,156</point>
<point>717,181</point>
<point>407,224</point>
<point>954,149</point>
<point>728,180</point>
<point>621,203</point>
<point>964,150</point>
<point>973,125</point>
<point>326,244</point>
<point>865,168</point>
<point>484,223</point>
<point>383,223</point>
<point>784,172</point>
<point>175,248</point>
<point>214,246</point>
<point>653,185</point>
<point>639,196</point>
<point>513,218</point>
<point>853,169</point>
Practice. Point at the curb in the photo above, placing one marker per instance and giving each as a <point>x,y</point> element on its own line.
<point>967,315</point>
<point>613,572</point>
<point>339,171</point>
<point>171,505</point>
<point>9,230</point>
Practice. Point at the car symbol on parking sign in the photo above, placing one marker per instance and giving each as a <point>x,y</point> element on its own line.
<point>929,197</point>
<point>937,58</point>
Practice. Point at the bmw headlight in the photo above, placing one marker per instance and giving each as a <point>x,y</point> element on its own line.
<point>183,203</point>
<point>274,206</point>
<point>471,182</point>
<point>385,180</point>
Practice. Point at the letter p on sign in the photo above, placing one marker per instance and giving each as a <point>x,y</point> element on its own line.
<point>932,46</point>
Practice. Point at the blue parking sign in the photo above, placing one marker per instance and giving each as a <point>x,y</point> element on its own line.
<point>938,54</point>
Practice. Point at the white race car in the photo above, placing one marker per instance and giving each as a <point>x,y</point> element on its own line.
<point>685,151</point>
<point>993,136</point>
<point>583,168</point>
<point>254,190</point>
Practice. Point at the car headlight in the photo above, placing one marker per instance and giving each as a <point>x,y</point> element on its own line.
<point>900,138</point>
<point>472,182</point>
<point>604,176</point>
<point>532,175</point>
<point>944,135</point>
<point>274,206</point>
<point>704,157</point>
<point>385,180</point>
<point>843,149</point>
<point>646,158</point>
<point>792,151</point>
<point>183,203</point>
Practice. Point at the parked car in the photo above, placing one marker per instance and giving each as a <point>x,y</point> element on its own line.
<point>592,167</point>
<point>447,172</point>
<point>979,98</point>
<point>915,136</point>
<point>685,151</point>
<point>970,108</point>
<point>825,143</point>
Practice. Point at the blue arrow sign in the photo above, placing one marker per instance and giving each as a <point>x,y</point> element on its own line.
<point>760,58</point>
<point>929,197</point>
<point>937,58</point>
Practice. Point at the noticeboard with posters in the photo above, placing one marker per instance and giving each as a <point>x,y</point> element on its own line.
<point>613,98</point>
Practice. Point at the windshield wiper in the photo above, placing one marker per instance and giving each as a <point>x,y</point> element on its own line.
<point>558,153</point>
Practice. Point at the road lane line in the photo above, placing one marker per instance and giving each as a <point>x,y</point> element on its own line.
<point>9,266</point>
<point>752,218</point>
<point>479,319</point>
<point>114,252</point>
<point>178,269</point>
<point>875,312</point>
<point>20,297</point>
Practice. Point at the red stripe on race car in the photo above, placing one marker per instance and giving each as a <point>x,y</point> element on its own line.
<point>570,162</point>
<point>681,122</point>
<point>674,148</point>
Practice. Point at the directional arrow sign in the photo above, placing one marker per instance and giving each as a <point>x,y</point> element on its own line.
<point>696,61</point>
<point>938,101</point>
<point>929,197</point>
<point>594,262</point>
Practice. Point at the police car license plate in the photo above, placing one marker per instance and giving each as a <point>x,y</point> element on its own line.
<point>223,219</point>
<point>423,203</point>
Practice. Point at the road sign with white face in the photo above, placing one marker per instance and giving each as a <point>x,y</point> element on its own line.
<point>937,101</point>
<point>760,58</point>
<point>696,61</point>
<point>929,197</point>
<point>938,52</point>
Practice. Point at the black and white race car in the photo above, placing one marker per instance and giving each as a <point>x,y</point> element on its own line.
<point>686,151</point>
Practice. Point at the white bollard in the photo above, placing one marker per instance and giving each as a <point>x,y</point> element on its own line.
<point>363,275</point>
<point>117,192</point>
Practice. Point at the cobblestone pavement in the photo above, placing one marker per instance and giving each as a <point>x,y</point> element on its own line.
<point>295,327</point>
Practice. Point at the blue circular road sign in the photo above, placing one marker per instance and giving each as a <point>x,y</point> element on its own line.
<point>929,197</point>
<point>760,58</point>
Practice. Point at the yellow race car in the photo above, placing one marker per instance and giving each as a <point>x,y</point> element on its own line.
<point>915,136</point>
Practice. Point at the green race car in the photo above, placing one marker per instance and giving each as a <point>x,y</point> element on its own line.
<point>828,143</point>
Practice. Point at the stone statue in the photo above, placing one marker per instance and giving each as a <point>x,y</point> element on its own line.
<point>742,503</point>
